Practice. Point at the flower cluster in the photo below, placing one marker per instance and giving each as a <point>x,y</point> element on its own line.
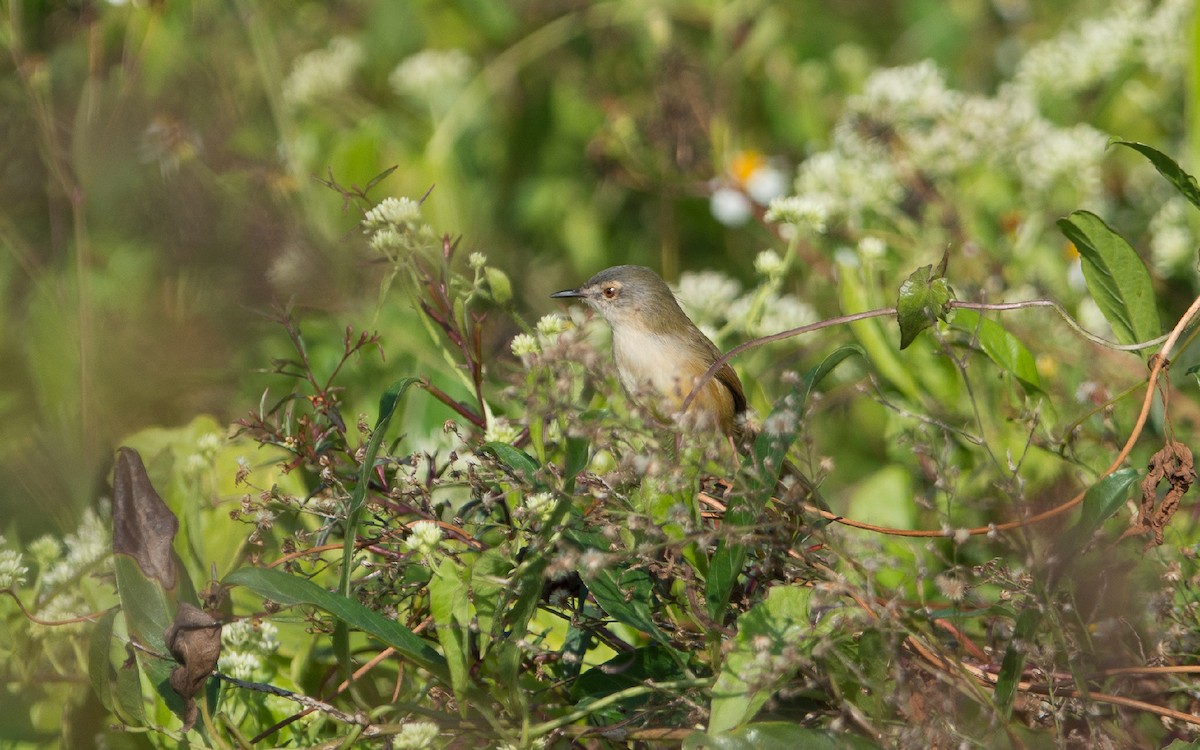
<point>432,76</point>
<point>424,537</point>
<point>1173,245</point>
<point>416,735</point>
<point>323,72</point>
<point>908,124</point>
<point>12,572</point>
<point>1091,55</point>
<point>84,548</point>
<point>715,302</point>
<point>394,226</point>
<point>244,646</point>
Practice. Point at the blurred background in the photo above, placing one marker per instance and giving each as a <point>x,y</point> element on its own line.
<point>158,200</point>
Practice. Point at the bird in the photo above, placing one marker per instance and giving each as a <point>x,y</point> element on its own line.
<point>660,353</point>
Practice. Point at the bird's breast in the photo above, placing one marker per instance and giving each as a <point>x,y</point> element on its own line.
<point>650,363</point>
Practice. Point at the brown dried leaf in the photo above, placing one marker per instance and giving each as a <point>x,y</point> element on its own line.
<point>1174,464</point>
<point>143,526</point>
<point>194,639</point>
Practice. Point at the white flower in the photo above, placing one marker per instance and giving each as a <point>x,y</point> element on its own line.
<point>89,544</point>
<point>209,444</point>
<point>539,505</point>
<point>12,572</point>
<point>871,247</point>
<point>432,76</point>
<point>1165,49</point>
<point>1053,155</point>
<point>45,550</point>
<point>416,735</point>
<point>423,538</point>
<point>393,212</point>
<point>907,94</point>
<point>500,430</point>
<point>1080,58</point>
<point>1172,244</point>
<point>550,326</point>
<point>240,665</point>
<point>524,345</point>
<point>322,72</point>
<point>250,636</point>
<point>765,184</point>
<point>477,260</point>
<point>706,295</point>
<point>768,263</point>
<point>805,212</point>
<point>784,313</point>
<point>730,206</point>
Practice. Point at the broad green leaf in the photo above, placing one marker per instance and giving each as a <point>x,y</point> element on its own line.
<point>100,669</point>
<point>148,614</point>
<point>1168,168</point>
<point>1014,659</point>
<point>777,735</point>
<point>451,612</point>
<point>1099,504</point>
<point>1116,277</point>
<point>745,681</point>
<point>626,596</point>
<point>924,297</point>
<point>1001,347</point>
<point>523,465</point>
<point>291,590</point>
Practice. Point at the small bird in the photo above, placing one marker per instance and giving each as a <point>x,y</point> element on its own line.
<point>659,351</point>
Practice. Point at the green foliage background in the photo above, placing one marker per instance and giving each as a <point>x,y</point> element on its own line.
<point>158,207</point>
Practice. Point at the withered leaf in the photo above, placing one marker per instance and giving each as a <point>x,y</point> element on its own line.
<point>143,526</point>
<point>194,639</point>
<point>1175,465</point>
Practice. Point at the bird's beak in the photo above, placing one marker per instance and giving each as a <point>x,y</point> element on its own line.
<point>568,293</point>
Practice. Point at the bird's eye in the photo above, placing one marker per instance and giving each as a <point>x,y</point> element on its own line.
<point>609,292</point>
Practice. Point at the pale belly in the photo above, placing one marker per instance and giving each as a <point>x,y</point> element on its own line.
<point>652,365</point>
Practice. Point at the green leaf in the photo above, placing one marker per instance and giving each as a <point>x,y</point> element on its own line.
<point>1168,168</point>
<point>1003,348</point>
<point>1104,499</point>
<point>100,669</point>
<point>499,284</point>
<point>924,298</point>
<point>358,499</point>
<point>626,670</point>
<point>292,590</point>
<point>814,376</point>
<point>1014,659</point>
<point>626,596</point>
<point>745,683</point>
<point>1116,277</point>
<point>451,612</point>
<point>147,617</point>
<point>523,465</point>
<point>777,735</point>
